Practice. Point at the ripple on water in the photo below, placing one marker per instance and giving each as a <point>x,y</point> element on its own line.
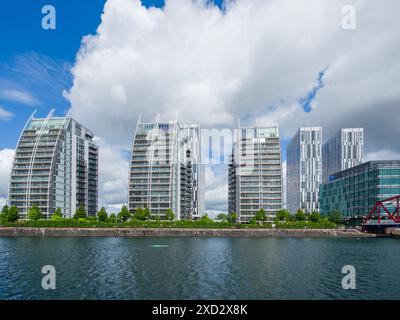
<point>198,268</point>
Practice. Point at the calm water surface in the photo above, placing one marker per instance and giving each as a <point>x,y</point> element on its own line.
<point>199,268</point>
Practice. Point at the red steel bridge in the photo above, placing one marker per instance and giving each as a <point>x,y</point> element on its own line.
<point>380,216</point>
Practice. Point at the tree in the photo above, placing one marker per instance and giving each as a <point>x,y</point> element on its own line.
<point>5,209</point>
<point>113,218</point>
<point>315,216</point>
<point>13,214</point>
<point>80,213</point>
<point>4,214</point>
<point>102,215</point>
<point>124,214</point>
<point>260,215</point>
<point>205,219</point>
<point>232,217</point>
<point>142,214</point>
<point>335,217</point>
<point>57,215</point>
<point>34,213</point>
<point>300,216</point>
<point>169,215</point>
<point>282,215</point>
<point>222,217</point>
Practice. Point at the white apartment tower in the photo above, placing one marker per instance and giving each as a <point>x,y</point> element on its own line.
<point>342,151</point>
<point>166,170</point>
<point>255,173</point>
<point>55,166</point>
<point>304,170</point>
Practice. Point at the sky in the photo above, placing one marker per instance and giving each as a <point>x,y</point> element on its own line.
<point>287,60</point>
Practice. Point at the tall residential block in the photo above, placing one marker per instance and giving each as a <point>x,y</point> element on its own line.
<point>255,173</point>
<point>342,151</point>
<point>354,192</point>
<point>304,170</point>
<point>55,166</point>
<point>166,170</point>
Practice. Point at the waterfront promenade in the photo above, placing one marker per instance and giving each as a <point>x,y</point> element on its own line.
<point>180,232</point>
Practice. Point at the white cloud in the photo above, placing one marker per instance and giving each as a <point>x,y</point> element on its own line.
<point>5,115</point>
<point>256,59</point>
<point>6,158</point>
<point>382,155</point>
<point>113,177</point>
<point>216,189</point>
<point>18,96</point>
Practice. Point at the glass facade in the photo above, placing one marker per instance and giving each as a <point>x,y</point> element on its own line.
<point>342,151</point>
<point>255,173</point>
<point>166,171</point>
<point>355,191</point>
<point>304,170</point>
<point>52,169</point>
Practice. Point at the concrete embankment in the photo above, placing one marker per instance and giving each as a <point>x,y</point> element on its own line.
<point>148,232</point>
<point>395,232</point>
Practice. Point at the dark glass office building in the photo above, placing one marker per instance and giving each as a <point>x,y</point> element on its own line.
<point>354,192</point>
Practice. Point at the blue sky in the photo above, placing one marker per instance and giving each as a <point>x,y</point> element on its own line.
<point>35,63</point>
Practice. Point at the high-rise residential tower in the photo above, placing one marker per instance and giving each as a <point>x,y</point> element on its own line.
<point>55,166</point>
<point>255,173</point>
<point>166,170</point>
<point>343,151</point>
<point>304,170</point>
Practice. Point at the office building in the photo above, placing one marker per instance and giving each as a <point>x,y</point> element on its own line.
<point>354,192</point>
<point>55,166</point>
<point>304,170</point>
<point>166,170</point>
<point>255,173</point>
<point>343,151</point>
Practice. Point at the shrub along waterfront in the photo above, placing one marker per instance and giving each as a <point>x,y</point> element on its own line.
<point>142,218</point>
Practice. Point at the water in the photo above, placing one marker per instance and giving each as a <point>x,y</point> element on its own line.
<point>199,268</point>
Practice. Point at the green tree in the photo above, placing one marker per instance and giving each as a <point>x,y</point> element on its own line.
<point>142,214</point>
<point>282,215</point>
<point>13,214</point>
<point>102,215</point>
<point>205,219</point>
<point>57,215</point>
<point>112,218</point>
<point>34,213</point>
<point>260,215</point>
<point>124,214</point>
<point>169,215</point>
<point>315,216</point>
<point>4,214</point>
<point>80,213</point>
<point>223,217</point>
<point>232,217</point>
<point>300,216</point>
<point>335,217</point>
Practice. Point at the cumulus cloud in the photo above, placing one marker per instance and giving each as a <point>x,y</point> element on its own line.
<point>113,177</point>
<point>6,157</point>
<point>255,59</point>
<point>216,189</point>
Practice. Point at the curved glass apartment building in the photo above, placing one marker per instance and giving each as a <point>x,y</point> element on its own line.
<point>255,173</point>
<point>55,166</point>
<point>166,171</point>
